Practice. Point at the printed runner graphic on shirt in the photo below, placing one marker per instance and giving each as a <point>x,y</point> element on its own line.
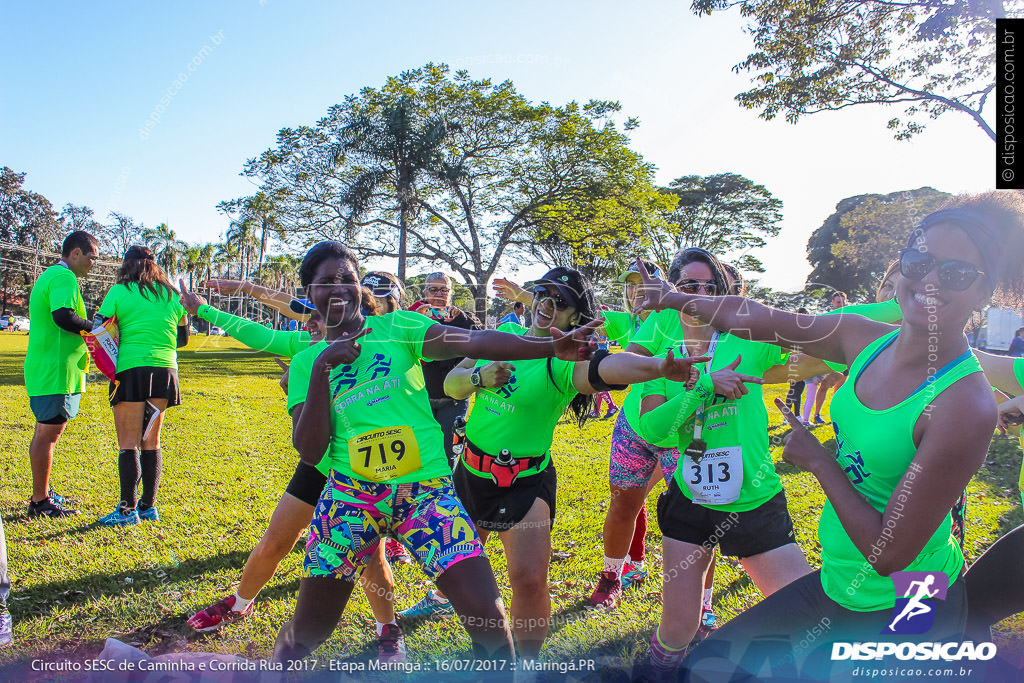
<point>913,612</point>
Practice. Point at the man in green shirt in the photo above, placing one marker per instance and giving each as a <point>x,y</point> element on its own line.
<point>56,362</point>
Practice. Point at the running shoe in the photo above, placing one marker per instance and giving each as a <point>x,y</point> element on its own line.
<point>428,608</point>
<point>48,507</point>
<point>819,421</point>
<point>149,514</point>
<point>707,625</point>
<point>594,414</point>
<point>633,575</point>
<point>807,424</point>
<point>607,593</point>
<point>6,628</point>
<point>396,552</point>
<point>611,413</point>
<point>218,614</point>
<point>66,501</point>
<point>118,518</point>
<point>391,645</point>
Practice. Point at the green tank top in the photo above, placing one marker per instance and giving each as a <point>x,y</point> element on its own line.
<point>875,449</point>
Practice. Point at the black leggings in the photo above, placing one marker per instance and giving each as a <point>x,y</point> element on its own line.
<point>792,631</point>
<point>995,585</point>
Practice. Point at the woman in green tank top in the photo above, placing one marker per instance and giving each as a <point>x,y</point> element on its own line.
<point>912,427</point>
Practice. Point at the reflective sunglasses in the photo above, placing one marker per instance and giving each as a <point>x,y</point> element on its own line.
<point>557,300</point>
<point>691,286</point>
<point>954,275</point>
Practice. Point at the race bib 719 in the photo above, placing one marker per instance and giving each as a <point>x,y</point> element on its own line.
<point>384,454</point>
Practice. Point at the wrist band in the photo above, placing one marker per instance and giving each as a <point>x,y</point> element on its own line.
<point>594,374</point>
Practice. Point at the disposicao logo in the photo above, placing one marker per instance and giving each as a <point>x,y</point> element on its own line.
<point>914,613</point>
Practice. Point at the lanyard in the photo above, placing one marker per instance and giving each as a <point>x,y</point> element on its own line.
<point>698,423</point>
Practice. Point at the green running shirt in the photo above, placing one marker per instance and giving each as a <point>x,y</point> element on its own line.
<point>736,431</point>
<point>875,449</point>
<point>619,326</point>
<point>147,326</point>
<point>660,332</point>
<point>382,426</point>
<point>57,360</point>
<point>255,335</point>
<point>521,416</point>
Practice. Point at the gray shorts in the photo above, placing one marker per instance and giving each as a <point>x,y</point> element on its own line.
<point>54,409</point>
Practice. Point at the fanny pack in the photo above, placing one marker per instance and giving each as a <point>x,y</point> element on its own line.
<point>503,469</point>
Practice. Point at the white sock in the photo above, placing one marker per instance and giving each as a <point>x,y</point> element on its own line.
<point>614,565</point>
<point>241,604</point>
<point>440,598</point>
<point>707,598</point>
<point>380,626</point>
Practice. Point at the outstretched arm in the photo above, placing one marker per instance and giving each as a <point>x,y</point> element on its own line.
<point>442,341</point>
<point>279,301</point>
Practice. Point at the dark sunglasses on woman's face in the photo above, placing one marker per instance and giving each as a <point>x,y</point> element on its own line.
<point>557,300</point>
<point>691,286</point>
<point>954,275</point>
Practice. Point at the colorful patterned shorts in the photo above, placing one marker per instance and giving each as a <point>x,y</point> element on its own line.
<point>352,515</point>
<point>632,460</point>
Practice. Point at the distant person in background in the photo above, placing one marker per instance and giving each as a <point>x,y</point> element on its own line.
<point>1017,345</point>
<point>517,315</point>
<point>56,362</point>
<point>152,324</point>
<point>832,380</point>
<point>796,388</point>
<point>387,290</point>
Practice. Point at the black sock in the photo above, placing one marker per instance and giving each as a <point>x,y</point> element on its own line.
<point>152,464</point>
<point>128,472</point>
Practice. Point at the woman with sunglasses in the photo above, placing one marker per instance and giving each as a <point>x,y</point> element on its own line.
<point>725,491</point>
<point>506,477</point>
<point>358,400</point>
<point>912,426</point>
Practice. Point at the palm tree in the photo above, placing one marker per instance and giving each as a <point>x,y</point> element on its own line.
<point>190,261</point>
<point>242,235</point>
<point>165,247</point>
<point>399,147</point>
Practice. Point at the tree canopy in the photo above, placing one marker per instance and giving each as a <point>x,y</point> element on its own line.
<point>930,57</point>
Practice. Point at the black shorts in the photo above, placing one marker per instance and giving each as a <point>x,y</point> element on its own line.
<point>496,508</point>
<point>136,385</point>
<point>307,484</point>
<point>739,534</point>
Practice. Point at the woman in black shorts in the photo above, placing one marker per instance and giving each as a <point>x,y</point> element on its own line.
<point>152,325</point>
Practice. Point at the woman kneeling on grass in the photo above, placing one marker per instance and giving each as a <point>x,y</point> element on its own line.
<point>151,324</point>
<point>912,426</point>
<point>359,397</point>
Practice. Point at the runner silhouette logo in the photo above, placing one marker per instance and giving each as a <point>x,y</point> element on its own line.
<point>914,613</point>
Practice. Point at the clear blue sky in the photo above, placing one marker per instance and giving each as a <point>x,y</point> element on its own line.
<point>81,79</point>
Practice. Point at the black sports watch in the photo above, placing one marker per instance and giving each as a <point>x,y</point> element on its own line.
<point>474,377</point>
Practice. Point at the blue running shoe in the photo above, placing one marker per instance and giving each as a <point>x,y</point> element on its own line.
<point>118,518</point>
<point>633,575</point>
<point>6,628</point>
<point>149,515</point>
<point>428,608</point>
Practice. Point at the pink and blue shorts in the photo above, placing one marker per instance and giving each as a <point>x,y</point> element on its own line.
<point>632,460</point>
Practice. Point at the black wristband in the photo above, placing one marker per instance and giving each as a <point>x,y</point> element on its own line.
<point>594,375</point>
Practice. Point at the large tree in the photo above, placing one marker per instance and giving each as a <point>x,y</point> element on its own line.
<point>28,224</point>
<point>855,245</point>
<point>724,213</point>
<point>504,165</point>
<point>929,57</point>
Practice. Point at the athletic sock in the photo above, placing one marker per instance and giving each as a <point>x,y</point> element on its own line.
<point>152,462</point>
<point>664,659</point>
<point>128,472</point>
<point>241,604</point>
<point>381,625</point>
<point>614,565</point>
<point>707,598</point>
<point>638,545</point>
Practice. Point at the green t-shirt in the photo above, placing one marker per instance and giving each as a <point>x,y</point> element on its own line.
<point>255,335</point>
<point>660,332</point>
<point>382,426</point>
<point>738,466</point>
<point>619,326</point>
<point>57,360</point>
<point>875,448</point>
<point>1018,371</point>
<point>521,416</point>
<point>883,312</point>
<point>147,326</point>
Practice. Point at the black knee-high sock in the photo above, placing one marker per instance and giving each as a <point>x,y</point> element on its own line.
<point>128,472</point>
<point>152,465</point>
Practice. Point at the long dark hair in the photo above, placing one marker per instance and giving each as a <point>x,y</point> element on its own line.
<point>140,268</point>
<point>587,310</point>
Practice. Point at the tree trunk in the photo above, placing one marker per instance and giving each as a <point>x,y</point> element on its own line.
<point>480,299</point>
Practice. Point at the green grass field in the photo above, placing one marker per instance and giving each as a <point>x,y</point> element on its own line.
<point>227,458</point>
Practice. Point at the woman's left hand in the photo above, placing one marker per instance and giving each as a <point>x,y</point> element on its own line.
<point>190,301</point>
<point>655,291</point>
<point>680,369</point>
<point>802,449</point>
<point>1010,415</point>
<point>576,345</point>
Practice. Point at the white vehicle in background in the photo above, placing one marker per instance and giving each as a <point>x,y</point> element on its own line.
<point>1001,325</point>
<point>216,331</point>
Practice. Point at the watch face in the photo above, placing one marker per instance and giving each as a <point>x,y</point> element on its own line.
<point>474,378</point>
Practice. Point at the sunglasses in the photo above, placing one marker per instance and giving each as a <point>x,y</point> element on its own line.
<point>954,275</point>
<point>690,286</point>
<point>557,300</point>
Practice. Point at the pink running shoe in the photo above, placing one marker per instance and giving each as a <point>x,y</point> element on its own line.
<point>218,614</point>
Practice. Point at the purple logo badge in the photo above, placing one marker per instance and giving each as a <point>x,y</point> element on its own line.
<point>914,612</point>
